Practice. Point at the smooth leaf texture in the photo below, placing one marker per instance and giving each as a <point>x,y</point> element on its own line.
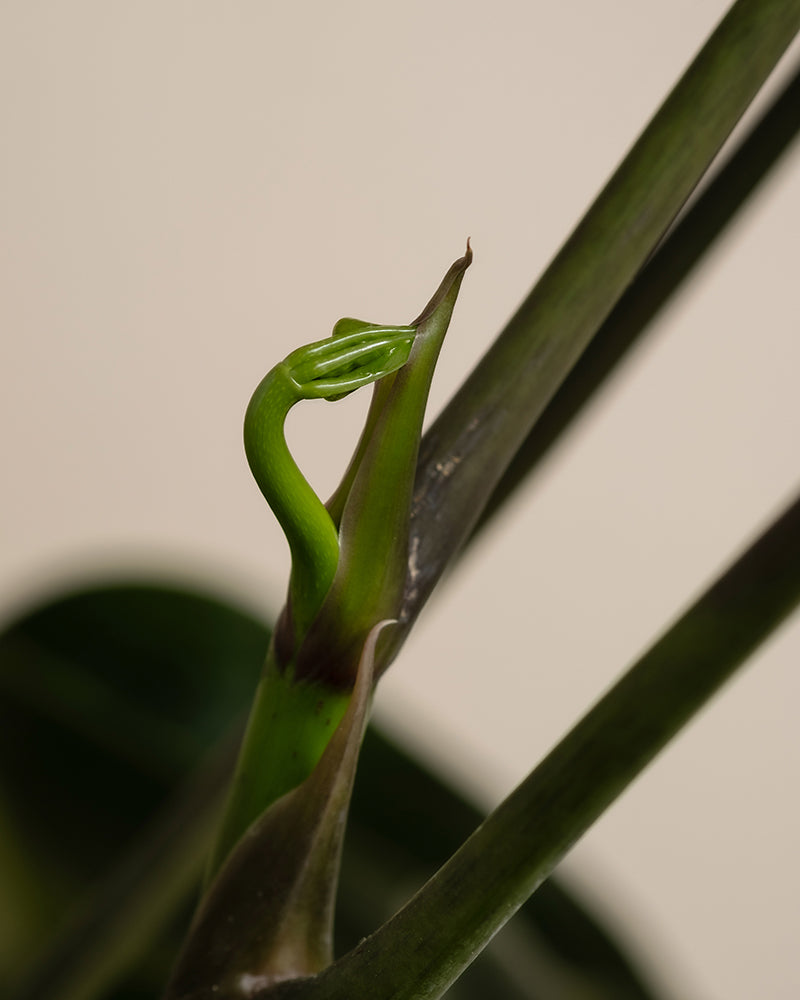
<point>407,824</point>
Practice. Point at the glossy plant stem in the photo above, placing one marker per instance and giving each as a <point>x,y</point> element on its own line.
<point>325,369</point>
<point>288,729</point>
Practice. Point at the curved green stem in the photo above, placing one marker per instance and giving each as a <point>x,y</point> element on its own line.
<point>313,539</point>
<point>292,719</point>
<point>326,369</point>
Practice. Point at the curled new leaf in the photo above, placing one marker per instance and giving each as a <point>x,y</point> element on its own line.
<point>355,551</point>
<point>373,505</point>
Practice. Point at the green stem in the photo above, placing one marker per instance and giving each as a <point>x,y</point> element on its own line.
<point>311,534</point>
<point>290,725</point>
<point>676,258</point>
<point>469,446</point>
<point>326,369</point>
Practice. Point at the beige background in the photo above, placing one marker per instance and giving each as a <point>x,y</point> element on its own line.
<point>191,189</point>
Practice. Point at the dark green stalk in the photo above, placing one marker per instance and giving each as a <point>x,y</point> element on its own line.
<point>676,258</point>
<point>466,451</point>
<point>419,952</point>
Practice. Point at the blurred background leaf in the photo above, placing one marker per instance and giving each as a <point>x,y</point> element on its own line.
<point>111,699</point>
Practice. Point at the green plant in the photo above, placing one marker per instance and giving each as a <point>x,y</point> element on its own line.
<point>476,440</point>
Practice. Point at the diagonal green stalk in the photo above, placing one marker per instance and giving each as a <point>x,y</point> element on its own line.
<point>419,952</point>
<point>695,232</point>
<point>467,449</point>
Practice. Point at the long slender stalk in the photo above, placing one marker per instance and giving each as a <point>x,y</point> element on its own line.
<point>696,232</point>
<point>419,952</point>
<point>469,446</point>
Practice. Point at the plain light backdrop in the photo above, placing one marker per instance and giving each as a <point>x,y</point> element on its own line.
<point>192,189</point>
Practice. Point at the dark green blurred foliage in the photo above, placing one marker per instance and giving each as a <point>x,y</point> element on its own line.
<point>119,716</point>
